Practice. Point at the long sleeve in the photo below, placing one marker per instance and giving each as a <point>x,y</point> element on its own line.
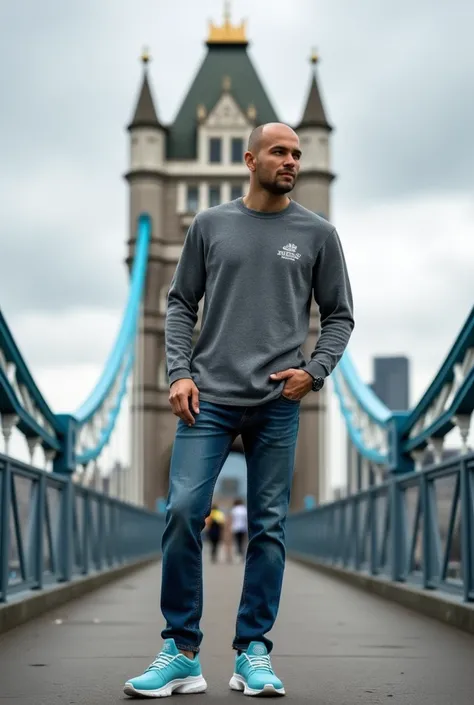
<point>186,290</point>
<point>332,293</point>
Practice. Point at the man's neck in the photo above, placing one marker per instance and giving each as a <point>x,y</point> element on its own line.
<point>266,202</point>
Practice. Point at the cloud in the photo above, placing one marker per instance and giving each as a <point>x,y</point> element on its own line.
<point>396,83</point>
<point>396,97</point>
<point>411,271</point>
<point>58,251</point>
<point>80,337</point>
<point>399,96</point>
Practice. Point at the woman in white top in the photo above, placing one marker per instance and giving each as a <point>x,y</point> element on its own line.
<point>239,525</point>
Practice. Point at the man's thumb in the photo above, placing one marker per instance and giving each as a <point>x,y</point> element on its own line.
<point>284,374</point>
<point>195,399</point>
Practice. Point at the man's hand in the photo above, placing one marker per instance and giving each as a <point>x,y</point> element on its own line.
<point>180,393</point>
<point>298,383</point>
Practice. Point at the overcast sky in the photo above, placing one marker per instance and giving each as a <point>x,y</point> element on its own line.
<point>396,79</point>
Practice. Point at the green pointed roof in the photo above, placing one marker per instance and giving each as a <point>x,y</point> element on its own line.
<point>222,59</point>
<point>314,115</point>
<point>145,113</point>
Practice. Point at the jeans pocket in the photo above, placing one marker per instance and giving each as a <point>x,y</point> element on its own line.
<point>290,401</point>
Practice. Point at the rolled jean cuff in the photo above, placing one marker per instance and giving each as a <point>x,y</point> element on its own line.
<point>244,647</point>
<point>241,647</point>
<point>187,647</point>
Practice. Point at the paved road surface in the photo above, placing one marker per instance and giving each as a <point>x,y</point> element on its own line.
<point>334,645</point>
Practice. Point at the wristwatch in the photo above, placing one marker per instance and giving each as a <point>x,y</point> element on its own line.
<point>318,383</point>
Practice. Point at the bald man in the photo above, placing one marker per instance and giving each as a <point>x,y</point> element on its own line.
<point>258,261</point>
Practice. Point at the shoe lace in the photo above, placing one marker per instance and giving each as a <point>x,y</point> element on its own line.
<point>260,663</point>
<point>161,661</point>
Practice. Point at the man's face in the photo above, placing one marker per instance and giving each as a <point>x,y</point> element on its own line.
<point>277,162</point>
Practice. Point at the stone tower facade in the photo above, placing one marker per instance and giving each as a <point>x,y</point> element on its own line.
<point>313,192</point>
<point>177,170</point>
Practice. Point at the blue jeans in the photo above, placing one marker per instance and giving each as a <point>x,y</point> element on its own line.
<point>269,434</point>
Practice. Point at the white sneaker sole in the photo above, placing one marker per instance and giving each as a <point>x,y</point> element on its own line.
<point>191,684</point>
<point>268,690</point>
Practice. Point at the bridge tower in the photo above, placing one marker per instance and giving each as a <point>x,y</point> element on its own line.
<point>146,178</point>
<point>313,192</point>
<point>175,171</point>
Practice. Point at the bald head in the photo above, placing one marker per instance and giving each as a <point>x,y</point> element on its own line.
<point>271,132</point>
<point>273,158</point>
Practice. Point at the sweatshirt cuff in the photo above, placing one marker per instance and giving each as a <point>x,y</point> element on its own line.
<point>315,369</point>
<point>182,373</point>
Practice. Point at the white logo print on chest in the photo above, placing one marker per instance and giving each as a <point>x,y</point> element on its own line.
<point>289,252</point>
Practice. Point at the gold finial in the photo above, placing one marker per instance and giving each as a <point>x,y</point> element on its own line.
<point>226,83</point>
<point>314,57</point>
<point>145,57</point>
<point>201,112</point>
<point>251,112</point>
<point>227,33</point>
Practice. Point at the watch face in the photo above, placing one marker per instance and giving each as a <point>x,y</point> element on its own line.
<point>318,384</point>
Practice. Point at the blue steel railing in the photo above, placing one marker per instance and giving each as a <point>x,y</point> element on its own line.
<point>78,438</point>
<point>53,530</point>
<point>416,528</point>
<point>449,396</point>
<point>390,438</point>
<point>128,328</point>
<point>368,412</point>
<point>89,428</point>
<point>21,402</point>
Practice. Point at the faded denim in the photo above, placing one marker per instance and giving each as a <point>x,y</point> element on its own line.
<point>269,433</point>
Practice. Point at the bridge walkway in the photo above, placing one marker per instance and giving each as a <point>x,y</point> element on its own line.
<point>334,645</point>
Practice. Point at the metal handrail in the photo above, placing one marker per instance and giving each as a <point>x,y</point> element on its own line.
<point>53,530</point>
<point>394,530</point>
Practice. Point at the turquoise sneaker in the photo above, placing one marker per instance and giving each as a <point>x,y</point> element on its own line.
<point>254,673</point>
<point>171,672</point>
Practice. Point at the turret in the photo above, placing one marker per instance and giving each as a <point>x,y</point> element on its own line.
<point>146,178</point>
<point>313,131</point>
<point>147,134</point>
<point>147,160</point>
<point>313,192</point>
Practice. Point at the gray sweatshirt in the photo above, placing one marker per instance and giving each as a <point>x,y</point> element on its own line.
<point>257,273</point>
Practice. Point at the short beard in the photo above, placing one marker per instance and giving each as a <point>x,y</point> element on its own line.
<point>277,189</point>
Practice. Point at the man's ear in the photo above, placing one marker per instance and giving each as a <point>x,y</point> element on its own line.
<point>250,161</point>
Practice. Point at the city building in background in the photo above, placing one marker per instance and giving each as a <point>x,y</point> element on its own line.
<point>391,381</point>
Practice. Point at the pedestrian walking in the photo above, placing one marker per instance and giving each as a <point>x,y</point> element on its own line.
<point>239,526</point>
